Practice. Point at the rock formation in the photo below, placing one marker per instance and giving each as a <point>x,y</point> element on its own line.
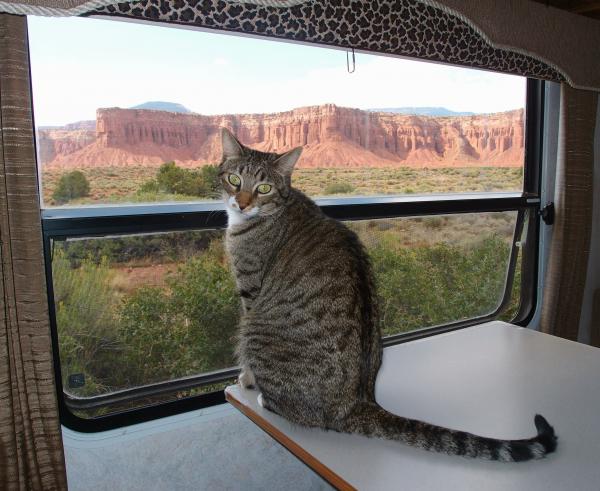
<point>332,136</point>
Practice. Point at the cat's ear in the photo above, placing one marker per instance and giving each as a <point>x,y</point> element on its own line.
<point>286,162</point>
<point>231,146</point>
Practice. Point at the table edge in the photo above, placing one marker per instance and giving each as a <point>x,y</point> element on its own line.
<point>325,472</point>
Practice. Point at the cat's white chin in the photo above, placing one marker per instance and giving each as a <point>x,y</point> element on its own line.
<point>237,217</point>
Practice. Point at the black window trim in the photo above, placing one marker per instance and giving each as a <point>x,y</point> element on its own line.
<point>60,223</point>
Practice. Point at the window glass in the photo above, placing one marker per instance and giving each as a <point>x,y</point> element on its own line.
<point>141,309</point>
<point>119,124</point>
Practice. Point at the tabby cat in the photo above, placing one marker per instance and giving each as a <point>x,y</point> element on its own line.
<point>309,337</point>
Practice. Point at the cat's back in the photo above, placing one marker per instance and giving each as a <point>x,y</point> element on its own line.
<point>311,234</point>
<point>318,254</point>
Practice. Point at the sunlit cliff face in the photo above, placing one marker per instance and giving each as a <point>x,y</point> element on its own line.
<point>332,136</point>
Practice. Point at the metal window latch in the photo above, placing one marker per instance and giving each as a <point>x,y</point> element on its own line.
<point>547,213</point>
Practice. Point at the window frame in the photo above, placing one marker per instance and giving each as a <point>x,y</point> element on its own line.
<point>60,223</point>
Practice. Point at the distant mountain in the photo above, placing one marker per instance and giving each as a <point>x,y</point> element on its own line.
<point>172,107</point>
<point>423,111</point>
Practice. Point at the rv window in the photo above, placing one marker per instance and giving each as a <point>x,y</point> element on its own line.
<point>435,167</point>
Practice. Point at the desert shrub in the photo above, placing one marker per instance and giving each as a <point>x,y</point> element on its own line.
<point>187,328</point>
<point>150,186</point>
<point>210,175</point>
<point>158,248</point>
<point>427,286</point>
<point>151,335</point>
<point>172,179</point>
<point>205,292</point>
<point>85,305</point>
<point>339,188</point>
<point>70,186</point>
<point>434,222</point>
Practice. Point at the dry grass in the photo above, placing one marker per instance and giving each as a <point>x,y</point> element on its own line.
<point>127,278</point>
<point>107,184</point>
<point>120,184</point>
<point>465,231</point>
<point>410,181</point>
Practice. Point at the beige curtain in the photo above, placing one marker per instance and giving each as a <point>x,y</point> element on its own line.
<point>568,260</point>
<point>31,453</point>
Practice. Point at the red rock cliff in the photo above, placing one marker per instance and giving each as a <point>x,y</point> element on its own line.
<point>332,136</point>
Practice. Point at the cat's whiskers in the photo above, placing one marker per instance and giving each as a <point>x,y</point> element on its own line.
<point>212,213</point>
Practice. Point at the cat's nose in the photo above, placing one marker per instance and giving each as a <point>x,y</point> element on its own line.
<point>243,200</point>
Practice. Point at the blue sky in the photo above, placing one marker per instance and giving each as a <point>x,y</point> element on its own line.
<point>81,64</point>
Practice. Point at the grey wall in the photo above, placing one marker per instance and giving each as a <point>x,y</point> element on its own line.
<point>214,449</point>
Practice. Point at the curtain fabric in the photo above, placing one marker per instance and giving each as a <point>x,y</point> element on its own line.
<point>569,251</point>
<point>31,453</point>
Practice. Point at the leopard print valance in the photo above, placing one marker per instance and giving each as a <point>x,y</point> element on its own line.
<point>408,28</point>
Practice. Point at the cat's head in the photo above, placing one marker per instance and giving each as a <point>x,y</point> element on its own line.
<point>254,183</point>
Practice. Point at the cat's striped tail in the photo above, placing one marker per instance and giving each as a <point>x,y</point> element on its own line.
<point>371,420</point>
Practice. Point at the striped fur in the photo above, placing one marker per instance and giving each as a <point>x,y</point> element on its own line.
<point>309,336</point>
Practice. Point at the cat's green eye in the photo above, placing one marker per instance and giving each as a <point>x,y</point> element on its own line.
<point>234,180</point>
<point>264,188</point>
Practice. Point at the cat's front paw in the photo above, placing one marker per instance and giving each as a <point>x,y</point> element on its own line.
<point>246,379</point>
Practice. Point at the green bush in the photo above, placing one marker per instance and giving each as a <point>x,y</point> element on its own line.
<point>428,286</point>
<point>150,187</point>
<point>210,174</point>
<point>172,179</point>
<point>156,248</point>
<point>189,326</point>
<point>339,188</point>
<point>186,329</point>
<point>85,306</point>
<point>70,186</point>
<point>151,335</point>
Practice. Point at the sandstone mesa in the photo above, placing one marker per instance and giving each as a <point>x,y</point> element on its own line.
<point>332,136</point>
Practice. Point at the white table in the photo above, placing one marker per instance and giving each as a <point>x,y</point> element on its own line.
<point>490,380</point>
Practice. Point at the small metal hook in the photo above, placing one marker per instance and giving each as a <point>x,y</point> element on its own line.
<point>348,62</point>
